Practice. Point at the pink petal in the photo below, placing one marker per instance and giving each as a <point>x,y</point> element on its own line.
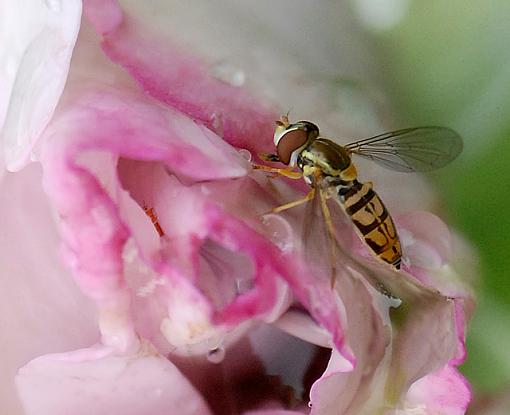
<point>445,392</point>
<point>180,80</point>
<point>426,239</point>
<point>423,339</point>
<point>340,390</point>
<point>432,254</point>
<point>41,38</point>
<point>95,381</point>
<point>42,310</point>
<point>130,125</point>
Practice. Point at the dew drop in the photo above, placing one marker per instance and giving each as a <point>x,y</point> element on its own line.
<point>228,74</point>
<point>279,231</point>
<point>245,154</point>
<point>204,189</point>
<point>310,404</point>
<point>216,355</point>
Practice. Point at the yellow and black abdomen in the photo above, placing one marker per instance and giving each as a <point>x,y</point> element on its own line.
<point>371,220</point>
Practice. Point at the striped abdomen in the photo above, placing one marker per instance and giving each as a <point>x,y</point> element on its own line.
<point>372,221</point>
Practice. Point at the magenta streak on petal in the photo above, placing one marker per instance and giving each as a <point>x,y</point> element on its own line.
<point>315,294</point>
<point>93,236</point>
<point>131,125</point>
<point>90,226</point>
<point>178,79</point>
<point>460,325</point>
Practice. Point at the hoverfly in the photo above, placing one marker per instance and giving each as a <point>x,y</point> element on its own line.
<point>328,169</point>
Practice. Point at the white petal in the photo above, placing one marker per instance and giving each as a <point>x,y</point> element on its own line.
<point>37,40</point>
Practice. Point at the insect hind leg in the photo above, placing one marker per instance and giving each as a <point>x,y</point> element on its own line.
<point>331,235</point>
<point>295,203</point>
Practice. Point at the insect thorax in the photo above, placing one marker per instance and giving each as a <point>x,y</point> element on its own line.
<point>331,159</point>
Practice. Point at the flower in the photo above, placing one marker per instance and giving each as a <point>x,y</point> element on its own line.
<point>202,306</point>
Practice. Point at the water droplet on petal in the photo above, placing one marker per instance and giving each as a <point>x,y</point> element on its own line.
<point>205,189</point>
<point>229,74</point>
<point>216,355</point>
<point>310,404</point>
<point>280,231</point>
<point>246,154</point>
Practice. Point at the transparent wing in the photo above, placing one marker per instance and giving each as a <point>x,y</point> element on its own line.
<point>327,245</point>
<point>326,236</point>
<point>419,149</point>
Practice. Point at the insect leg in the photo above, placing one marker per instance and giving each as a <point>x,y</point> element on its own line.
<point>283,172</point>
<point>290,205</point>
<point>331,234</point>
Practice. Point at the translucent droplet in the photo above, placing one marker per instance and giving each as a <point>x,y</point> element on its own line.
<point>280,231</point>
<point>216,355</point>
<point>246,154</point>
<point>33,157</point>
<point>310,404</point>
<point>53,5</point>
<point>205,189</point>
<point>229,74</point>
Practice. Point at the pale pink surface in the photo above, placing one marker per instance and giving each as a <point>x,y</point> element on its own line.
<point>95,381</point>
<point>110,150</point>
<point>39,299</point>
<point>444,391</point>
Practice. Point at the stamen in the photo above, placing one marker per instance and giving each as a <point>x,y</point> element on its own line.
<point>154,219</point>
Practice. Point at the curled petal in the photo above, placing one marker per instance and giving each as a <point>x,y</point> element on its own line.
<point>41,38</point>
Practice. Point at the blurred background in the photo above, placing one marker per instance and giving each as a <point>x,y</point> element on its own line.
<point>448,63</point>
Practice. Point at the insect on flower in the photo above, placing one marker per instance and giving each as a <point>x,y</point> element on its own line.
<point>328,169</point>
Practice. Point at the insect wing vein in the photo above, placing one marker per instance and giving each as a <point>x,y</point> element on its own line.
<point>412,149</point>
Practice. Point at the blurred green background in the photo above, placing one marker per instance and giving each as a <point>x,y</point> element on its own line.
<point>448,63</point>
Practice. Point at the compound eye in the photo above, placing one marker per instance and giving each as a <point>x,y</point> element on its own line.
<point>289,143</point>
